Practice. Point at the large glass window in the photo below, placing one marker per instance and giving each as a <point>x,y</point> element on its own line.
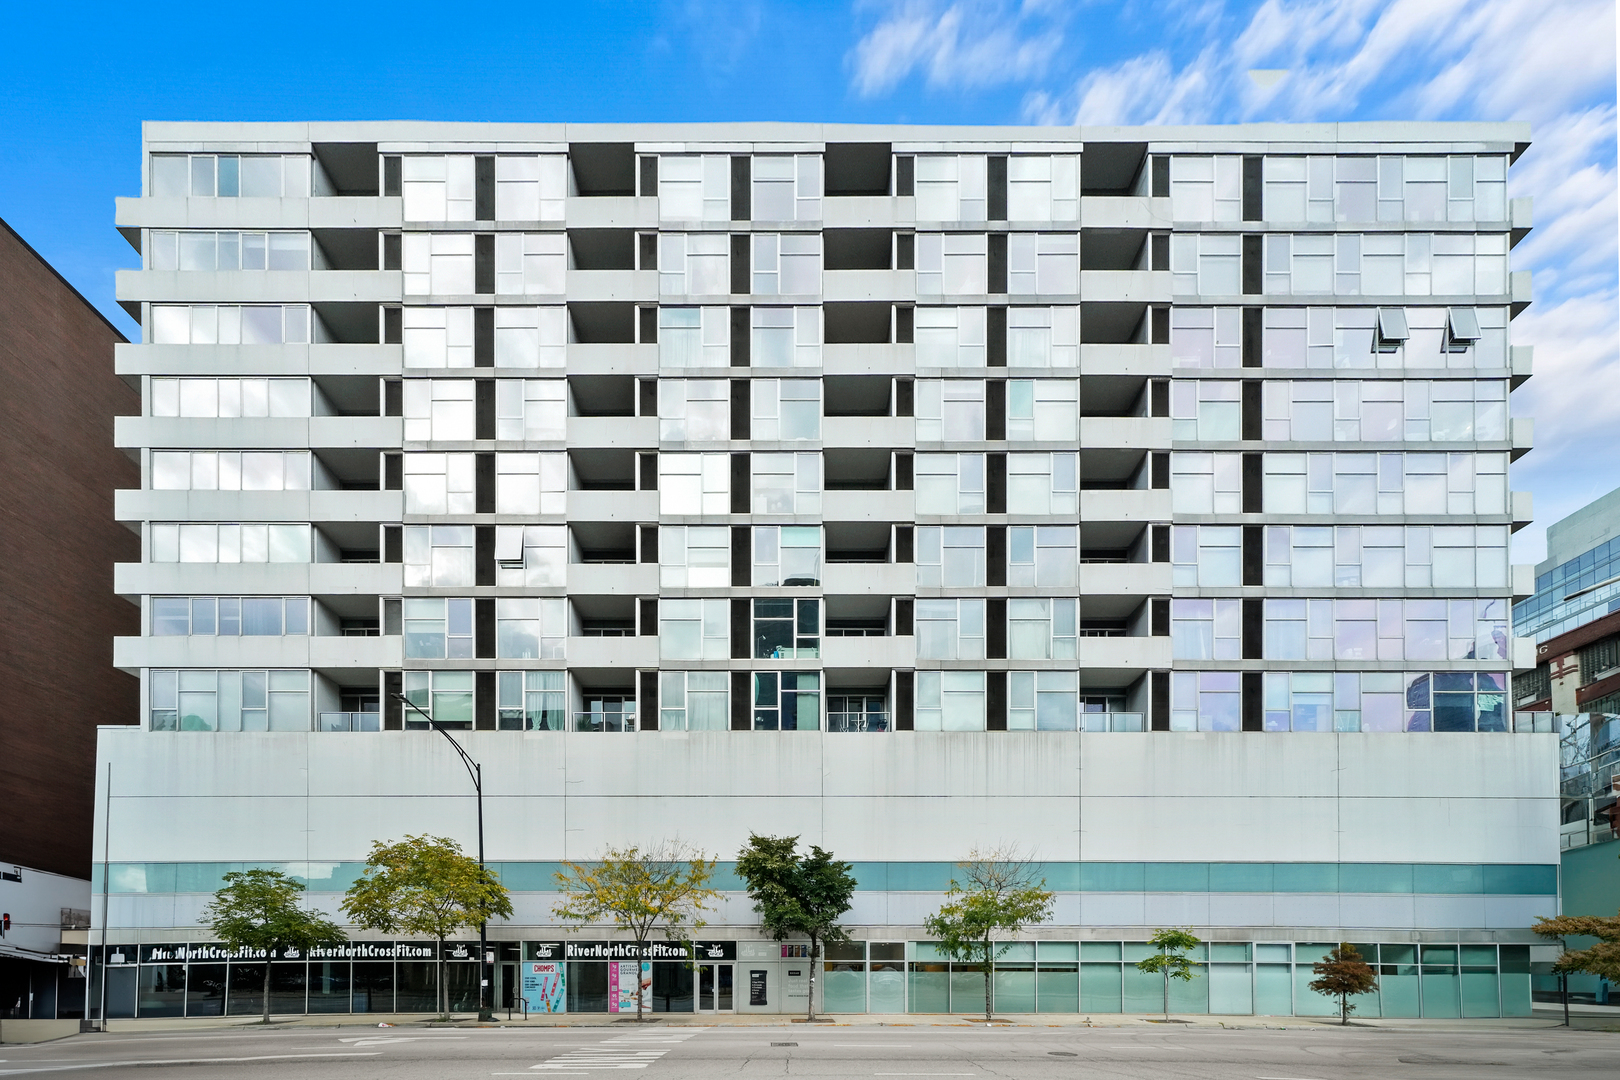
<point>439,410</point>
<point>282,542</point>
<point>694,264</point>
<point>694,701</point>
<point>230,616</point>
<point>786,483</point>
<point>438,555</point>
<point>1206,556</point>
<point>1043,187</point>
<point>1043,263</point>
<point>1042,337</point>
<point>1206,629</point>
<point>1385,410</point>
<point>694,410</point>
<point>1385,264</point>
<point>437,264</point>
<point>786,187</point>
<point>1042,701</point>
<point>1366,188</point>
<point>950,701</point>
<point>1434,337</point>
<point>949,337</point>
<point>694,556</point>
<point>530,337</point>
<point>1042,483</point>
<point>531,700</point>
<point>787,629</point>
<point>1203,483</point>
<point>785,337</point>
<point>857,712</point>
<point>1206,188</point>
<point>530,627</point>
<point>1043,410</point>
<point>530,264</point>
<point>446,696</point>
<point>1205,410</point>
<point>786,410</point>
<point>207,250</point>
<point>690,337</point>
<point>530,555</point>
<point>530,483</point>
<point>1385,701</point>
<point>1359,483</point>
<point>950,410</point>
<point>1386,556</point>
<point>950,484</point>
<point>1042,629</point>
<point>437,628</point>
<point>950,629</point>
<point>787,701</point>
<point>231,470</point>
<point>438,187</point>
<point>787,555</point>
<point>952,264</point>
<point>694,187</point>
<point>692,484</point>
<point>1207,264</point>
<point>208,700</point>
<point>951,187</point>
<point>230,324</point>
<point>437,337</point>
<point>1410,629</point>
<point>230,397</point>
<point>787,264</point>
<point>1206,337</point>
<point>531,188</point>
<point>230,176</point>
<point>439,484</point>
<point>1041,555</point>
<point>693,629</point>
<point>531,410</point>
<point>1206,701</point>
<point>950,556</point>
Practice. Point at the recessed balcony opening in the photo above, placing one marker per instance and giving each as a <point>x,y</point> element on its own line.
<point>1114,395</point>
<point>856,469</point>
<point>1112,469</point>
<point>603,616</point>
<point>1103,323</point>
<point>1111,168</point>
<point>858,249</point>
<point>602,395</point>
<point>1113,249</point>
<point>346,249</point>
<point>603,323</point>
<point>603,168</point>
<point>862,323</point>
<point>856,168</point>
<point>857,541</point>
<point>351,167</point>
<point>1113,542</point>
<point>602,469</point>
<point>602,249</point>
<point>857,616</point>
<point>602,542</point>
<point>856,395</point>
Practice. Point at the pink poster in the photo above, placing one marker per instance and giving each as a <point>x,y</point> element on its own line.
<point>624,976</point>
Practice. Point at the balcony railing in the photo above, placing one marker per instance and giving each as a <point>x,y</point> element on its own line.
<point>1112,721</point>
<point>604,721</point>
<point>349,721</point>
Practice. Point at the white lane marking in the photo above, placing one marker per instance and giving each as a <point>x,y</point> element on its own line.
<point>1287,1078</point>
<point>183,1061</point>
<point>906,1045</point>
<point>389,1040</point>
<point>617,1053</point>
<point>928,1074</point>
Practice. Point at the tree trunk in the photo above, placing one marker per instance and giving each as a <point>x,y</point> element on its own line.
<point>1344,1012</point>
<point>267,954</point>
<point>1166,995</point>
<point>641,950</point>
<point>444,990</point>
<point>815,951</point>
<point>989,978</point>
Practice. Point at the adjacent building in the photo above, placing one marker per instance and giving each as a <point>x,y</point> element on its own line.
<point>1138,496</point>
<point>58,397</point>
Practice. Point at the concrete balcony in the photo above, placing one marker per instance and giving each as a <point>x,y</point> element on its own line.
<point>635,432</point>
<point>1524,653</point>
<point>337,652</point>
<point>625,579</point>
<point>259,286</point>
<point>1124,579</point>
<point>868,652</point>
<point>884,432</point>
<point>326,212</point>
<point>868,212</point>
<point>868,506</point>
<point>868,579</point>
<point>1124,212</point>
<point>133,505</point>
<point>1124,433</point>
<point>248,579</point>
<point>1521,359</point>
<point>294,651</point>
<point>622,285</point>
<point>1125,654</point>
<point>1520,218</point>
<point>612,652</point>
<point>1523,580</point>
<point>134,360</point>
<point>1522,435</point>
<point>1125,505</point>
<point>612,212</point>
<point>889,285</point>
<point>247,433</point>
<point>1140,361</point>
<point>1520,292</point>
<point>1125,286</point>
<point>613,506</point>
<point>868,359</point>
<point>600,359</point>
<point>1522,506</point>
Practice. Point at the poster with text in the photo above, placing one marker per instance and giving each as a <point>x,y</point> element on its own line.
<point>625,977</point>
<point>543,988</point>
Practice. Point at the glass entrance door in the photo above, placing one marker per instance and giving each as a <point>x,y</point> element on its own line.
<point>714,984</point>
<point>506,986</point>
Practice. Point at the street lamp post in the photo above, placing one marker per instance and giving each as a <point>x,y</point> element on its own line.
<point>476,771</point>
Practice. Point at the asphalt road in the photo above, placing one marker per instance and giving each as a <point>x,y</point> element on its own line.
<point>680,1053</point>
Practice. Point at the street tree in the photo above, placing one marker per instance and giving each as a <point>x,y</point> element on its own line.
<point>664,887</point>
<point>1341,974</point>
<point>797,895</point>
<point>425,885</point>
<point>995,893</point>
<point>258,910</point>
<point>1602,959</point>
<point>1171,960</point>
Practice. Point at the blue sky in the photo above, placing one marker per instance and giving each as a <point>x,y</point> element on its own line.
<point>81,77</point>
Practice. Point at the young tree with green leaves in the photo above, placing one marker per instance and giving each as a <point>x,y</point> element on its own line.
<point>797,894</point>
<point>425,885</point>
<point>1342,973</point>
<point>995,893</point>
<point>1171,960</point>
<point>258,909</point>
<point>1602,959</point>
<point>640,890</point>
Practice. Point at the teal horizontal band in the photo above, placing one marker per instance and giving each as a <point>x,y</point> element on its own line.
<point>1460,879</point>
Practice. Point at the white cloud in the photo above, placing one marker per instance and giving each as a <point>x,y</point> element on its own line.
<point>970,43</point>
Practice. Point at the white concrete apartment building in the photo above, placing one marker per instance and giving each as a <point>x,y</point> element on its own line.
<point>1138,496</point>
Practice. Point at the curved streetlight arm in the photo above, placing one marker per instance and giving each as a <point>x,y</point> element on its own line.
<point>473,769</point>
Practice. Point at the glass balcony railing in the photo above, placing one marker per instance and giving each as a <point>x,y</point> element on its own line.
<point>349,721</point>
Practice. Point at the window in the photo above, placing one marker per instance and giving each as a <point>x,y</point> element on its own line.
<point>230,616</point>
<point>690,337</point>
<point>1208,411</point>
<point>1208,264</point>
<point>1043,555</point>
<point>787,629</point>
<point>693,187</point>
<point>437,337</point>
<point>531,410</point>
<point>437,555</point>
<point>952,264</point>
<point>437,187</point>
<point>786,187</point>
<point>1322,337</point>
<point>1301,189</point>
<point>693,484</point>
<point>439,484</point>
<point>531,188</point>
<point>1206,629</point>
<point>786,483</point>
<point>1206,701</point>
<point>1042,629</point>
<point>1043,187</point>
<point>950,556</point>
<point>949,337</point>
<point>694,701</point>
<point>437,264</point>
<point>531,700</point>
<point>950,701</point>
<point>787,555</point>
<point>786,410</point>
<point>1206,556</point>
<point>606,712</point>
<point>230,324</point>
<point>1432,188</point>
<point>446,696</point>
<point>1386,264</point>
<point>1043,337</point>
<point>950,484</point>
<point>1414,410</point>
<point>785,337</point>
<point>439,410</point>
<point>531,337</point>
<point>1043,263</point>
<point>857,712</point>
<point>1208,337</point>
<point>787,701</point>
<point>230,470</point>
<point>1042,701</point>
<point>229,701</point>
<point>1206,188</point>
<point>532,556</point>
<point>437,628</point>
<point>950,410</point>
<point>206,250</point>
<point>529,264</point>
<point>210,543</point>
<point>530,484</point>
<point>694,410</point>
<point>1206,483</point>
<point>694,264</point>
<point>530,627</point>
<point>1386,629</point>
<point>230,397</point>
<point>1043,410</point>
<point>1385,701</point>
<point>1357,483</point>
<point>694,556</point>
<point>693,629</point>
<point>230,176</point>
<point>787,264</point>
<point>1043,483</point>
<point>950,629</point>
<point>951,187</point>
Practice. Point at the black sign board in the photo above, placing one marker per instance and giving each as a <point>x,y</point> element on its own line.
<point>213,952</point>
<point>545,950</point>
<point>629,950</point>
<point>716,950</point>
<point>756,987</point>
